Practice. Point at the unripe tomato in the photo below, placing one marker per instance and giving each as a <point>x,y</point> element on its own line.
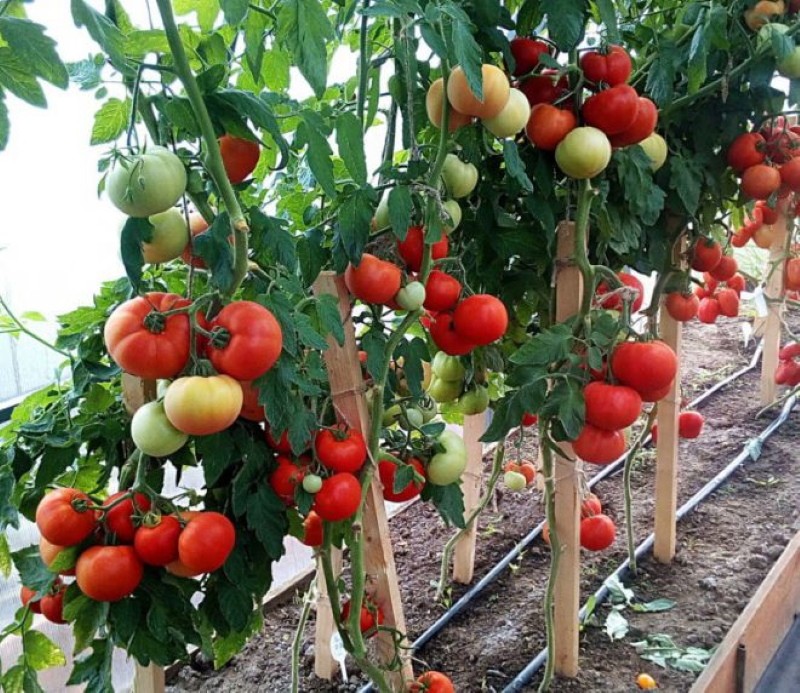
<point>460,178</point>
<point>682,307</point>
<point>597,532</point>
<point>342,451</point>
<point>474,401</point>
<point>655,146</point>
<point>119,520</point>
<point>411,249</point>
<point>496,91</point>
<point>441,291</point>
<point>480,319</point>
<point>108,573</point>
<point>63,519</point>
<point>613,110</point>
<point>239,156</point>
<point>527,469</point>
<point>448,368</point>
<point>548,125</point>
<point>611,67</point>
<point>611,407</point>
<point>443,391</point>
<point>706,255</point>
<point>374,280</point>
<point>201,406</point>
<point>158,544</point>
<point>598,446</point>
<point>153,433</point>
<point>446,467</point>
<point>312,483</point>
<point>387,470</point>
<point>514,481</point>
<point>434,100</point>
<point>512,119</point>
<point>146,184</point>
<point>206,542</point>
<point>454,214</point>
<point>339,497</point>
<point>584,153</point>
<point>168,237</point>
<point>411,296</point>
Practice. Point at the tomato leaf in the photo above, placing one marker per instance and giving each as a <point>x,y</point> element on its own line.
<point>686,180</point>
<point>110,121</point>
<point>13,679</point>
<point>374,343</point>
<point>661,74</point>
<point>266,516</point>
<point>9,516</point>
<point>14,76</point>
<point>304,28</point>
<point>354,221</point>
<point>318,153</point>
<point>32,571</point>
<point>551,346</point>
<point>134,232</point>
<point>215,249</point>
<point>5,125</point>
<point>616,626</point>
<point>41,652</point>
<point>644,197</point>
<point>565,21</point>
<point>413,352</point>
<point>608,16</point>
<point>515,166</point>
<point>85,615</point>
<point>466,51</point>
<point>328,318</point>
<point>401,207</point>
<point>654,606</point>
<point>234,10</point>
<point>403,476</point>
<point>449,501</point>
<point>103,31</point>
<point>37,50</point>
<point>350,140</point>
<point>5,557</point>
<point>226,647</point>
<point>216,452</point>
<point>698,57</point>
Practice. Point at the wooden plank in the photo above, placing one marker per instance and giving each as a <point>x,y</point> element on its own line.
<point>760,628</point>
<point>464,554</point>
<point>772,329</point>
<point>149,679</point>
<point>347,390</point>
<point>569,291</point>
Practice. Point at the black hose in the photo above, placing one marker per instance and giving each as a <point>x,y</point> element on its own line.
<point>752,450</point>
<point>433,630</point>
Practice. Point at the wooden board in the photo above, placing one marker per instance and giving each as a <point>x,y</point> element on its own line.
<point>148,679</point>
<point>772,327</point>
<point>347,390</point>
<point>464,554</point>
<point>569,291</point>
<point>758,631</point>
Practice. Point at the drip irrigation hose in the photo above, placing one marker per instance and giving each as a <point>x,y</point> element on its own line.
<point>457,608</point>
<point>752,451</point>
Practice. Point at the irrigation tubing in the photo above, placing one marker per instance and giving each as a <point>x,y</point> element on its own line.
<point>752,451</point>
<point>467,598</point>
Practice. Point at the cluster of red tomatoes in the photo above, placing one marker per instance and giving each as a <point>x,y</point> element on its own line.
<point>108,545</point>
<point>788,370</point>
<point>613,300</point>
<point>597,530</point>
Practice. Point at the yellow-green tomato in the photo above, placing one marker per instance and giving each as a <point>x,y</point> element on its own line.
<point>474,401</point>
<point>413,419</point>
<point>169,237</point>
<point>411,296</point>
<point>513,118</point>
<point>453,210</point>
<point>446,367</point>
<point>391,415</point>
<point>444,390</point>
<point>312,483</point>
<point>655,146</point>
<point>515,481</point>
<point>460,178</point>
<point>152,432</point>
<point>147,183</point>
<point>448,466</point>
<point>584,153</point>
<point>381,219</point>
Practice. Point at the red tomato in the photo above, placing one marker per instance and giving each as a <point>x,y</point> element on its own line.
<point>548,125</point>
<point>433,682</point>
<point>748,149</point>
<point>706,255</point>
<point>597,532</point>
<point>737,283</point>
<point>374,280</point>
<point>387,470</point>
<point>769,214</point>
<point>611,407</point>
<point>412,247</point>
<point>239,156</point>
<point>728,301</point>
<point>312,530</point>
<point>52,605</point>
<point>371,616</point>
<point>530,419</point>
<point>782,144</point>
<point>285,479</point>
<point>246,340</point>
<point>725,269</point>
<point>206,542</point>
<point>28,598</point>
<point>445,336</point>
<point>682,307</point>
<point>788,373</point>
<point>791,276</point>
<point>789,351</point>
<point>342,450</point>
<point>251,409</point>
<point>49,552</point>
<point>615,302</point>
<point>690,424</point>
<point>613,110</point>
<point>158,545</point>
<point>177,568</point>
<point>526,52</point>
<point>63,519</point>
<point>527,469</point>
<point>708,311</point>
<point>610,67</point>
<point>760,181</point>
<point>642,127</point>
<point>644,366</point>
<point>790,175</point>
<point>339,497</point>
<point>108,573</point>
<point>143,342</point>
<point>546,88</point>
<point>591,505</point>
<point>480,319</point>
<point>598,446</point>
<point>441,291</point>
<point>656,395</point>
<point>119,519</point>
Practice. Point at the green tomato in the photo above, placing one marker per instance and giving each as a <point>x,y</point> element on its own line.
<point>391,415</point>
<point>515,481</point>
<point>655,146</point>
<point>790,65</point>
<point>459,178</point>
<point>475,401</point>
<point>152,432</point>
<point>513,118</point>
<point>169,237</point>
<point>446,367</point>
<point>381,219</point>
<point>148,183</point>
<point>444,390</point>
<point>412,419</point>
<point>411,296</point>
<point>453,210</point>
<point>584,153</point>
<point>312,483</point>
<point>448,466</point>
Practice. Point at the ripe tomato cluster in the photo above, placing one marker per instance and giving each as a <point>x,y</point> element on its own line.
<point>597,530</point>
<point>108,546</point>
<point>613,300</point>
<point>719,297</point>
<point>788,370</point>
<point>519,475</point>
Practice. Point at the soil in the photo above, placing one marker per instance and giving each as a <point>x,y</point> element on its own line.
<point>725,549</point>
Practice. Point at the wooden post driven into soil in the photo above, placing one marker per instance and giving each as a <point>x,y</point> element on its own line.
<point>464,554</point>
<point>569,292</point>
<point>666,486</point>
<point>135,393</point>
<point>347,390</point>
<point>772,329</point>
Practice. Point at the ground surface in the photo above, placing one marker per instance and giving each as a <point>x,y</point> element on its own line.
<point>726,547</point>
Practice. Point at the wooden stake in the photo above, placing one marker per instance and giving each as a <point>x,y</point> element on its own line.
<point>464,555</point>
<point>149,679</point>
<point>569,292</point>
<point>772,330</point>
<point>325,666</point>
<point>347,389</point>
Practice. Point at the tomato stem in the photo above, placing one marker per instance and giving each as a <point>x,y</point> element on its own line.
<point>585,194</point>
<point>297,642</point>
<point>555,555</point>
<point>19,326</point>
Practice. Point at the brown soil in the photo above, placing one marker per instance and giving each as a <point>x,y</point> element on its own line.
<point>725,548</point>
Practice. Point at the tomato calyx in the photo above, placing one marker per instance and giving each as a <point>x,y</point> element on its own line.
<point>219,337</point>
<point>155,322</point>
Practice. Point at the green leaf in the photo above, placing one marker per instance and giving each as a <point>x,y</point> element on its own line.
<point>355,219</point>
<point>227,646</point>
<point>254,44</point>
<point>319,153</point>
<point>565,21</point>
<point>551,346</point>
<point>655,606</point>
<point>350,140</point>
<point>449,501</point>
<point>86,616</point>
<point>266,516</point>
<point>330,320</point>
<point>102,30</point>
<point>94,670</point>
<point>271,236</point>
<point>13,679</point>
<point>617,625</point>
<point>15,77</point>
<point>41,652</point>
<point>644,197</point>
<point>234,10</point>
<point>468,55</point>
<point>698,57</point>
<point>686,179</point>
<point>65,559</point>
<point>5,556</point>
<point>213,246</point>
<point>30,44</point>
<point>140,43</point>
<point>304,28</point>
<point>401,207</point>
<point>5,124</point>
<point>661,74</point>
<point>32,571</point>
<point>216,452</point>
<point>608,16</point>
<point>133,233</point>
<point>515,165</point>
